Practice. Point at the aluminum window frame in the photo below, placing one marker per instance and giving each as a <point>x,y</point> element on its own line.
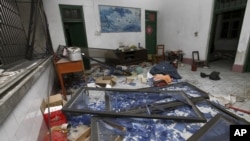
<point>202,93</point>
<point>85,92</point>
<point>223,114</point>
<point>209,126</point>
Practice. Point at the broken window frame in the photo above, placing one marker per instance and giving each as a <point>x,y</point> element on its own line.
<point>67,108</point>
<point>95,129</point>
<point>209,126</point>
<point>165,88</point>
<point>222,113</point>
<point>204,97</point>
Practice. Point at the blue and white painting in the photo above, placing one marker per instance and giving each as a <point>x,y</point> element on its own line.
<point>120,19</point>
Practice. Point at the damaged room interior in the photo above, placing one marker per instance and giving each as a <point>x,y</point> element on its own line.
<point>124,70</point>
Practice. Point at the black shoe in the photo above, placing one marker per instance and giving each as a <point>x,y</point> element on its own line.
<point>203,75</point>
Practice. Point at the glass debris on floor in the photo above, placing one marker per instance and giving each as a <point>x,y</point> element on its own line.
<point>134,103</point>
<point>139,129</point>
<point>173,112</point>
<point>104,110</point>
<point>217,127</point>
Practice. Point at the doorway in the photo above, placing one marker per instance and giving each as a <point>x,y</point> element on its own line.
<point>74,28</point>
<point>247,62</point>
<point>151,31</point>
<point>225,32</point>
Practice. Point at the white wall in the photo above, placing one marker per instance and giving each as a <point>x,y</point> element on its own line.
<point>92,22</point>
<point>26,120</point>
<point>244,38</point>
<point>179,20</point>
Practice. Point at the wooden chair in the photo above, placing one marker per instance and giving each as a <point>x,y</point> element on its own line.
<point>150,58</point>
<point>160,53</point>
<point>196,59</point>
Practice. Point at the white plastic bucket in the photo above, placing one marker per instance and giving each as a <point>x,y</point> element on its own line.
<point>74,53</point>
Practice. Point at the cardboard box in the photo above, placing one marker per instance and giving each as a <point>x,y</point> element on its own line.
<point>104,80</point>
<point>79,133</point>
<point>130,79</point>
<point>56,133</point>
<point>54,100</point>
<point>84,135</point>
<point>55,116</point>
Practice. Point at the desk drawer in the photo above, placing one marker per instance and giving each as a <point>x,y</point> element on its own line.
<point>68,67</point>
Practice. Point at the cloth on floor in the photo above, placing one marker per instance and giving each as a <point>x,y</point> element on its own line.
<point>166,78</point>
<point>165,68</point>
<point>160,83</point>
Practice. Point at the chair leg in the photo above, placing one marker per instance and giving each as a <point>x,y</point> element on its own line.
<point>156,60</point>
<point>196,57</point>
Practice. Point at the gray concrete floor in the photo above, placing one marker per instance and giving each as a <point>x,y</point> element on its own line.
<point>233,87</point>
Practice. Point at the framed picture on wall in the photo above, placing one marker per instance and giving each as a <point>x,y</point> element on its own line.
<point>119,19</point>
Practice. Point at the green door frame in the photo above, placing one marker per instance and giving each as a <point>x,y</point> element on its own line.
<point>151,31</point>
<point>247,61</point>
<point>71,20</point>
<point>74,15</point>
<point>212,36</point>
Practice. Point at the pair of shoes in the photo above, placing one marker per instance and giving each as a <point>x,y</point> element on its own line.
<point>213,75</point>
<point>203,75</point>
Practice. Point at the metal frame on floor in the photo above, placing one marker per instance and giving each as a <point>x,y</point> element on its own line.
<point>181,87</point>
<point>218,134</point>
<point>98,122</point>
<point>156,108</point>
<point>221,109</point>
<point>113,130</point>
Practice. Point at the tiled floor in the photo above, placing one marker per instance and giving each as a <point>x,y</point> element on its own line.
<point>233,87</point>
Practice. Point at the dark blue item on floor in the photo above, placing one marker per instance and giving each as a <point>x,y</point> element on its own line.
<point>165,68</point>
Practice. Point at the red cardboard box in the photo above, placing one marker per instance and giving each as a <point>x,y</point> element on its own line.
<point>51,110</point>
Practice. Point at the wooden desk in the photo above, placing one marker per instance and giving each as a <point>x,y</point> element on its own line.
<point>128,57</point>
<point>64,66</point>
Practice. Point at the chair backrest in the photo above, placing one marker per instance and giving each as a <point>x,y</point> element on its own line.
<point>195,55</point>
<point>160,49</point>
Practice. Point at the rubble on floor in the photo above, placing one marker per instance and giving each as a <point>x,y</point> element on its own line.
<point>111,115</point>
<point>177,125</point>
